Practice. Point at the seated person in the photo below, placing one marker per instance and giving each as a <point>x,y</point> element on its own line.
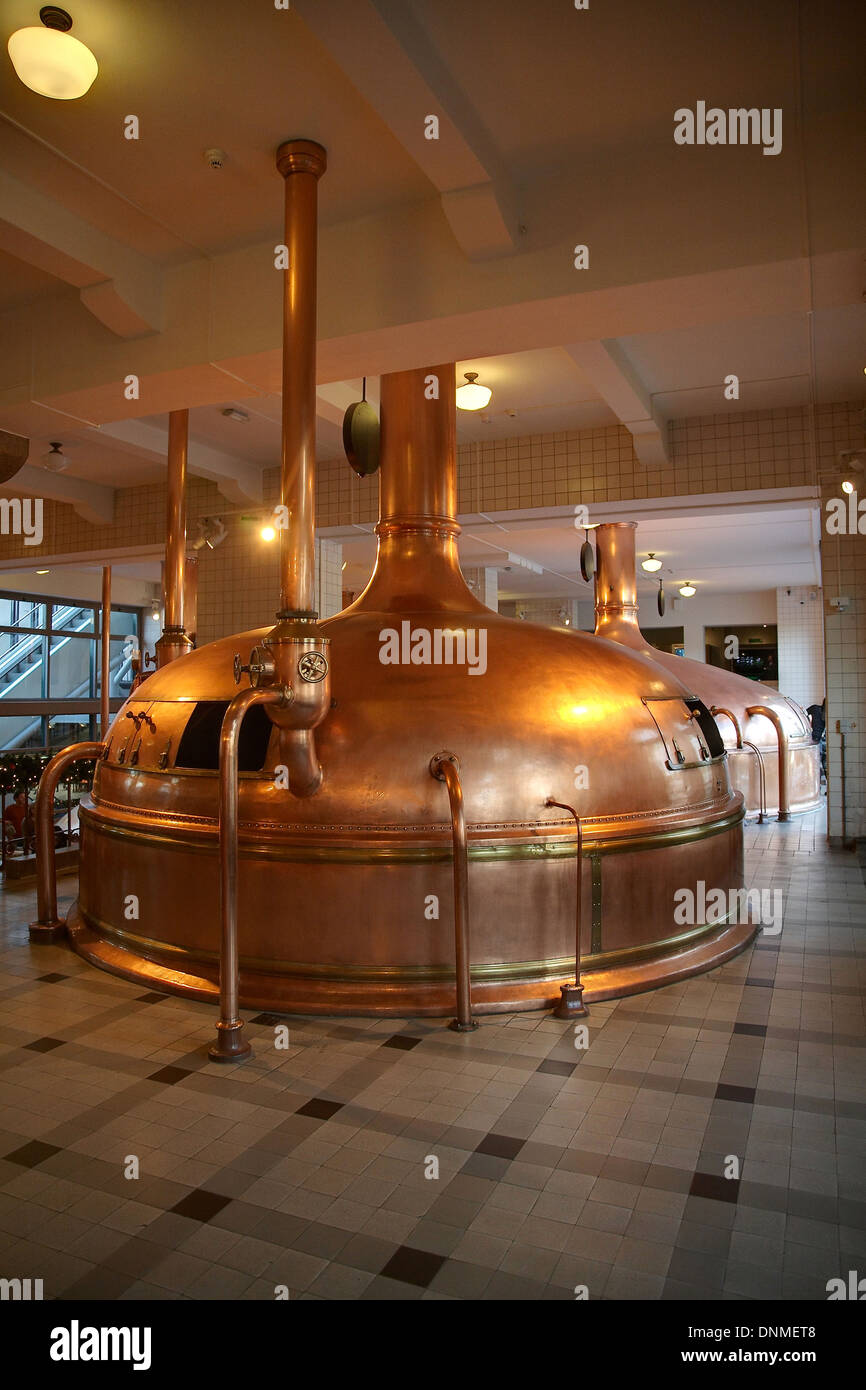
<point>18,823</point>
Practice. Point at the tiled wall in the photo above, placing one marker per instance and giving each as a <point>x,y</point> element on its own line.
<point>548,612</point>
<point>713,453</point>
<point>800,635</point>
<point>484,583</point>
<point>843,560</point>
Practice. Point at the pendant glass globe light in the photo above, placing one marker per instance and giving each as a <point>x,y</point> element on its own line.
<point>687,589</point>
<point>472,396</point>
<point>651,564</point>
<point>49,60</point>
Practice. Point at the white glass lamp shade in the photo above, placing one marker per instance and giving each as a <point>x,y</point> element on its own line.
<point>52,63</point>
<point>472,396</point>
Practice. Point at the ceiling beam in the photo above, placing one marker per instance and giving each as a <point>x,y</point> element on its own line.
<point>389,58</point>
<point>606,366</point>
<point>92,501</point>
<point>239,482</point>
<point>121,288</point>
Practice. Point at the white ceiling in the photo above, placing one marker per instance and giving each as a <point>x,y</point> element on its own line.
<point>730,546</point>
<point>704,263</point>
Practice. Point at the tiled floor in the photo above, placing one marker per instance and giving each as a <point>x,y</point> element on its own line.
<point>309,1167</point>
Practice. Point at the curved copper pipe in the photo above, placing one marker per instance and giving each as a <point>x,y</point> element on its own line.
<point>571,1004</point>
<point>445,768</point>
<point>762,779</point>
<point>229,1045</point>
<point>105,637</point>
<point>782,738</point>
<point>720,709</point>
<point>48,925</point>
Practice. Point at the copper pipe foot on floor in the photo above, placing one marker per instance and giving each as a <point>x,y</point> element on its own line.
<point>43,933</point>
<point>457,1027</point>
<point>229,1045</point>
<point>571,1004</point>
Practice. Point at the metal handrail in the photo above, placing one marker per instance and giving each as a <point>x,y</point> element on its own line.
<point>29,642</point>
<point>48,925</point>
<point>572,1005</point>
<point>446,768</point>
<point>782,740</point>
<point>229,1045</point>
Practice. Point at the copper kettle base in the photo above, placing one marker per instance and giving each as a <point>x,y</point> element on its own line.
<point>635,973</point>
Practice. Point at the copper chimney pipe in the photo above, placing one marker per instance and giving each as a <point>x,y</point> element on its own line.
<point>174,641</point>
<point>301,163</point>
<point>416,564</point>
<point>616,584</point>
<point>293,655</point>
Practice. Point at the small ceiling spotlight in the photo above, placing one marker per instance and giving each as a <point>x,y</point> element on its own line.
<point>43,571</point>
<point>232,412</point>
<point>472,396</point>
<point>651,564</point>
<point>847,485</point>
<point>212,532</point>
<point>55,460</point>
<point>268,533</point>
<point>687,589</point>
<point>49,60</point>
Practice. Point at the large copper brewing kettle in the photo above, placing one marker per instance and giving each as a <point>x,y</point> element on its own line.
<point>752,739</point>
<point>336,888</point>
<point>340,900</point>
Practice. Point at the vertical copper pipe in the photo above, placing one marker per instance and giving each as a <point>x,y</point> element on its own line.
<point>301,163</point>
<point>105,690</point>
<point>175,543</point>
<point>229,1045</point>
<point>782,739</point>
<point>762,780</point>
<point>445,768</point>
<point>571,1004</point>
<point>174,641</point>
<point>48,925</point>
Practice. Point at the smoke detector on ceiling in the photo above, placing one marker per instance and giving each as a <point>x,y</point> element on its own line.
<point>232,412</point>
<point>215,159</point>
<point>55,460</point>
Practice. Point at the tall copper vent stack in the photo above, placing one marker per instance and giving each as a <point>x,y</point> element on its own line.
<point>174,641</point>
<point>294,652</point>
<point>729,696</point>
<point>344,898</point>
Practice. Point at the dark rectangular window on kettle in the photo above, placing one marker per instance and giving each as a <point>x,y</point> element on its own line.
<point>200,741</point>
<point>708,727</point>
